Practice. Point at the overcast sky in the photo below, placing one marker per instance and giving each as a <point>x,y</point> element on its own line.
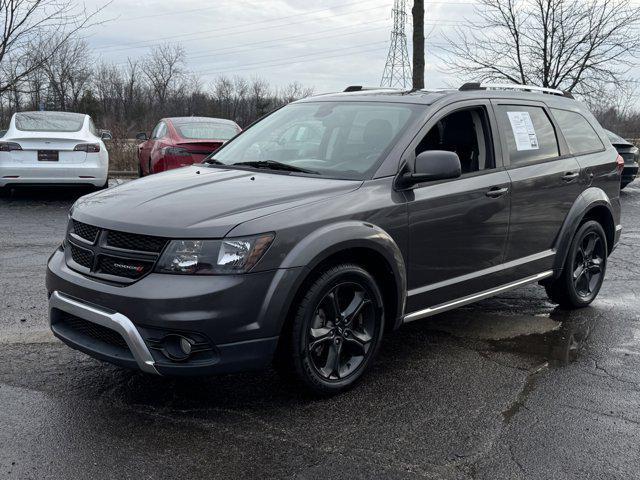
<point>327,44</point>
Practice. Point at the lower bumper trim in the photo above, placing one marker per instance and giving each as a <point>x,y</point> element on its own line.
<point>113,320</point>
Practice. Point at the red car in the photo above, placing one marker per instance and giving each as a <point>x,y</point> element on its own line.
<point>181,141</point>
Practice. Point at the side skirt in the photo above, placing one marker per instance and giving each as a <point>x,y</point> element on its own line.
<point>428,312</point>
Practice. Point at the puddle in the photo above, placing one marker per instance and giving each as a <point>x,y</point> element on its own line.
<point>557,337</point>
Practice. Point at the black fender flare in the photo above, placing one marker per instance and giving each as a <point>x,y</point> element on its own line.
<point>331,239</point>
<point>589,199</point>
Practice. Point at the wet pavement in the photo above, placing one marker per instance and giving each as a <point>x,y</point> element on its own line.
<point>510,388</point>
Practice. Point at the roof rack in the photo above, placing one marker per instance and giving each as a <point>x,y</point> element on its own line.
<point>508,86</point>
<point>360,88</point>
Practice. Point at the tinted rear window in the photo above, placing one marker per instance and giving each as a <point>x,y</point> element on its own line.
<point>206,131</point>
<point>49,122</point>
<point>578,132</point>
<point>529,132</point>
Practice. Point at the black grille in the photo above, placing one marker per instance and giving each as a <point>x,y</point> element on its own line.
<point>88,232</point>
<point>130,241</point>
<point>81,256</point>
<point>93,330</point>
<point>121,267</point>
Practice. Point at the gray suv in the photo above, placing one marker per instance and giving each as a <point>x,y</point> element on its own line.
<point>332,222</point>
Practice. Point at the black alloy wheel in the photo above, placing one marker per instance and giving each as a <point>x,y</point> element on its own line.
<point>588,265</point>
<point>341,333</point>
<point>584,270</point>
<point>337,330</point>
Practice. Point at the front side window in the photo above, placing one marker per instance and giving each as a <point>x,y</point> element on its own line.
<point>205,130</point>
<point>467,133</point>
<point>49,122</point>
<point>529,132</point>
<point>345,140</point>
<point>159,131</point>
<point>578,132</point>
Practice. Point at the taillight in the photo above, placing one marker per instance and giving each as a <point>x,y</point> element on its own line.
<point>175,152</point>
<point>9,146</point>
<point>88,147</point>
<point>620,164</point>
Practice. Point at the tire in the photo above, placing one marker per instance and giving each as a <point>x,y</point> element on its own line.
<point>346,337</point>
<point>140,172</point>
<point>584,269</point>
<point>624,185</point>
<point>4,192</point>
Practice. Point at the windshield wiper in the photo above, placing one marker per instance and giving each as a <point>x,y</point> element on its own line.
<point>274,165</point>
<point>212,161</point>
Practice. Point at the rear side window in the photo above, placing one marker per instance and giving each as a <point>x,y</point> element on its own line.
<point>529,132</point>
<point>578,132</point>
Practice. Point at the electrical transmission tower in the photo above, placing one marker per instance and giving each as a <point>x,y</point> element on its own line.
<point>397,71</point>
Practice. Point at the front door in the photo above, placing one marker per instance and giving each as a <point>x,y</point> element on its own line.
<point>458,228</point>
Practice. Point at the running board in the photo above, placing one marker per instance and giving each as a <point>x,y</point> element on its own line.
<point>428,312</point>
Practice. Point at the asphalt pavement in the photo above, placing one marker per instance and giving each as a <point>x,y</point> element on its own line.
<point>510,388</point>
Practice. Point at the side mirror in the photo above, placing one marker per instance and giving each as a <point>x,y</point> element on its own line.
<point>106,136</point>
<point>142,136</point>
<point>431,166</point>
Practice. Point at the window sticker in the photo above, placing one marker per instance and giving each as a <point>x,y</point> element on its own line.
<point>523,131</point>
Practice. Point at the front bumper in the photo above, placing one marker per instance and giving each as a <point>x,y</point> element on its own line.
<point>238,316</point>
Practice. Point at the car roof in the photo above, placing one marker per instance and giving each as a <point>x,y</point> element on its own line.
<point>429,97</point>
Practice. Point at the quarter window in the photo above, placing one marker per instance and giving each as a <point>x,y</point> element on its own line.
<point>578,132</point>
<point>529,132</point>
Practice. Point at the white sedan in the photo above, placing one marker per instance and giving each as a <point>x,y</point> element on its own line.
<point>53,148</point>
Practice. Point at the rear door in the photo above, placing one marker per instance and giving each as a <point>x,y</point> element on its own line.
<point>545,183</point>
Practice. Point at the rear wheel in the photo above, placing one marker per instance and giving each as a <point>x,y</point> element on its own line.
<point>337,330</point>
<point>584,269</point>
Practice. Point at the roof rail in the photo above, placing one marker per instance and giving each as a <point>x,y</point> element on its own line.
<point>513,86</point>
<point>360,88</point>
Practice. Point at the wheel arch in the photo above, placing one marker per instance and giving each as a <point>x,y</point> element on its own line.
<point>592,204</point>
<point>355,242</point>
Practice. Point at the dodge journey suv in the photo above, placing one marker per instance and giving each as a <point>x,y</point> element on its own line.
<point>333,221</point>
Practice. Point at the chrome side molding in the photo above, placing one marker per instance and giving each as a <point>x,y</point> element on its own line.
<point>114,321</point>
<point>427,312</point>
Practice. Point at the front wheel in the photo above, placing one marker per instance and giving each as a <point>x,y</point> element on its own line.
<point>584,269</point>
<point>337,330</point>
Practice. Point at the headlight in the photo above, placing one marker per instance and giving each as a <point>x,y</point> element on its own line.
<point>213,257</point>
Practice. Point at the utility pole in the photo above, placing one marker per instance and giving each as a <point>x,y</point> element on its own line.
<point>418,44</point>
<point>397,70</point>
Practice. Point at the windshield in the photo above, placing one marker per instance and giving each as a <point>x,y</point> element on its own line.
<point>205,130</point>
<point>337,140</point>
<point>613,138</point>
<point>49,122</point>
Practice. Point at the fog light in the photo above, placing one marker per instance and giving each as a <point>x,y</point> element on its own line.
<point>177,347</point>
<point>185,345</point>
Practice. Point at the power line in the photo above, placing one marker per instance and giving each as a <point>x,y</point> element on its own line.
<point>314,58</point>
<point>306,55</point>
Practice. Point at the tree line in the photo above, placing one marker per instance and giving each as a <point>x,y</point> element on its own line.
<point>133,96</point>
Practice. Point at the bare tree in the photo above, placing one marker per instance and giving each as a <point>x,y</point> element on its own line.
<point>164,69</point>
<point>32,31</point>
<point>574,45</point>
<point>69,73</point>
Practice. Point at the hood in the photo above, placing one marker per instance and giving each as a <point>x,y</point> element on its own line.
<point>201,202</point>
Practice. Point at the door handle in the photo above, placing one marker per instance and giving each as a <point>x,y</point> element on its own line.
<point>497,192</point>
<point>570,176</point>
